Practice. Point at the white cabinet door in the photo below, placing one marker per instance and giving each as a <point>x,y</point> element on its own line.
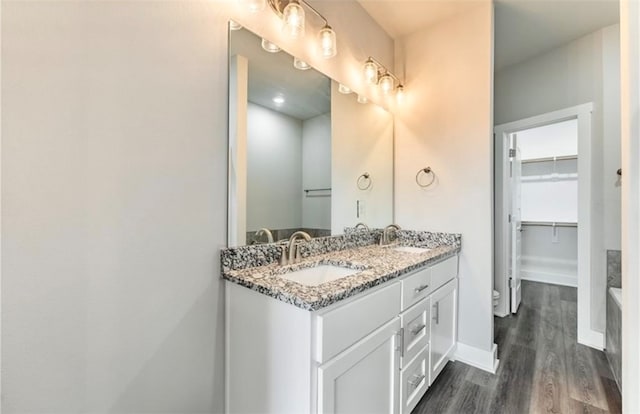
<point>365,378</point>
<point>443,326</point>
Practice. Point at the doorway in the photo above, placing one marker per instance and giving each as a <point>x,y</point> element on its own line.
<point>536,216</point>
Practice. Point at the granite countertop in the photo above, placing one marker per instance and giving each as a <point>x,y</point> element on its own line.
<point>377,264</point>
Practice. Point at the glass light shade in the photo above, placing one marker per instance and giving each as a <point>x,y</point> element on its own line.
<point>270,47</point>
<point>386,83</point>
<point>300,64</point>
<point>255,6</point>
<point>344,89</point>
<point>400,94</point>
<point>293,20</point>
<point>370,71</point>
<point>362,99</point>
<point>328,45</point>
<point>233,25</point>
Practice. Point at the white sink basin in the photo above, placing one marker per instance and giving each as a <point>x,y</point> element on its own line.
<point>314,276</point>
<point>410,249</point>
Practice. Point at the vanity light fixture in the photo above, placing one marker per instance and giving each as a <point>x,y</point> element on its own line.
<point>370,71</point>
<point>344,89</point>
<point>270,46</point>
<point>300,64</point>
<point>233,25</point>
<point>254,6</point>
<point>293,19</point>
<point>293,24</point>
<point>400,94</point>
<point>376,73</point>
<point>362,99</point>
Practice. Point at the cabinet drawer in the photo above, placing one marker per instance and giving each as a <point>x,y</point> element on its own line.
<point>341,327</point>
<point>414,381</point>
<point>443,272</point>
<point>416,329</point>
<point>416,287</point>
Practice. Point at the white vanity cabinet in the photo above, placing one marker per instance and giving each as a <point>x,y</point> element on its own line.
<point>376,352</point>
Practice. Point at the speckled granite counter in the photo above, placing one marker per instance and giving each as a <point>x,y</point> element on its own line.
<point>377,264</point>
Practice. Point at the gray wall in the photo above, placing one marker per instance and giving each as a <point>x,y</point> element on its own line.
<point>316,171</point>
<point>274,169</point>
<point>114,164</point>
<point>585,70</point>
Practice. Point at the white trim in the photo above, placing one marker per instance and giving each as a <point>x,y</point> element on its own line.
<point>591,338</point>
<point>478,358</point>
<point>551,278</point>
<point>583,114</point>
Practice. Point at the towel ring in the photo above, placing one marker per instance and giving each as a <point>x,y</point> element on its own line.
<point>426,170</point>
<point>364,181</point>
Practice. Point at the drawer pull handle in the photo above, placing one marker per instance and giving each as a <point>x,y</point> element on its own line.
<point>416,381</point>
<point>420,288</point>
<point>418,329</point>
<point>436,317</point>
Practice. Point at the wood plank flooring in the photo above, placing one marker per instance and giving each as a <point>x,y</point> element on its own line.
<point>542,367</point>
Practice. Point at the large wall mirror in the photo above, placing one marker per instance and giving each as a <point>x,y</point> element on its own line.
<point>303,155</point>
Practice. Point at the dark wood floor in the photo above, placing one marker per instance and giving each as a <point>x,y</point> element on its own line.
<point>542,368</point>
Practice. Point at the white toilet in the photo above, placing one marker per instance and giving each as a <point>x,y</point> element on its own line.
<point>496,298</point>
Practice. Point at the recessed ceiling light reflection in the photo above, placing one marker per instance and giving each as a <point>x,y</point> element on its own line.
<point>269,46</point>
<point>233,25</point>
<point>362,99</point>
<point>278,100</point>
<point>300,64</point>
<point>344,89</point>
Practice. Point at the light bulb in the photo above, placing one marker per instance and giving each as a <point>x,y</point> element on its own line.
<point>400,94</point>
<point>300,64</point>
<point>293,19</point>
<point>270,47</point>
<point>370,71</point>
<point>328,46</point>
<point>386,83</point>
<point>362,99</point>
<point>344,89</point>
<point>255,6</point>
<point>233,25</point>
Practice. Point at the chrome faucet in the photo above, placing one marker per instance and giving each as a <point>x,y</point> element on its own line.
<point>364,226</point>
<point>294,252</point>
<point>264,231</point>
<point>384,239</point>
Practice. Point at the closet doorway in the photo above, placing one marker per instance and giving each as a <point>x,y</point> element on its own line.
<point>543,206</point>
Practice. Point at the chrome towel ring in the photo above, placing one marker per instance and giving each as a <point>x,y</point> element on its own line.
<point>364,181</point>
<point>426,171</point>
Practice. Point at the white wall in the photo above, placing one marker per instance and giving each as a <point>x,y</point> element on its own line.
<point>552,140</point>
<point>114,177</point>
<point>446,123</point>
<point>570,75</point>
<point>316,171</point>
<point>362,141</point>
<point>274,169</point>
<point>630,131</point>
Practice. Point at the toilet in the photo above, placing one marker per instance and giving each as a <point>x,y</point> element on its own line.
<point>496,298</point>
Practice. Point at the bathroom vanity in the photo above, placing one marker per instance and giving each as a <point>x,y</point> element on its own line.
<point>372,340</point>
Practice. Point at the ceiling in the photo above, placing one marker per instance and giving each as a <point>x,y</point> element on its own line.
<point>307,93</point>
<point>523,28</point>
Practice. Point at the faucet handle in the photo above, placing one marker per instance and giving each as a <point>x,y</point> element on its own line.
<point>283,255</point>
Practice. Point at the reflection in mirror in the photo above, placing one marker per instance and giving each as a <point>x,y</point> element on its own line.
<point>287,172</point>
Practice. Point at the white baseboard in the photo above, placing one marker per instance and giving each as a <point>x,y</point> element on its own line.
<point>478,358</point>
<point>553,279</point>
<point>500,314</point>
<point>591,338</point>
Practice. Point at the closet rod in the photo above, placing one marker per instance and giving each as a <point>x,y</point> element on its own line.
<point>547,159</point>
<point>549,223</point>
